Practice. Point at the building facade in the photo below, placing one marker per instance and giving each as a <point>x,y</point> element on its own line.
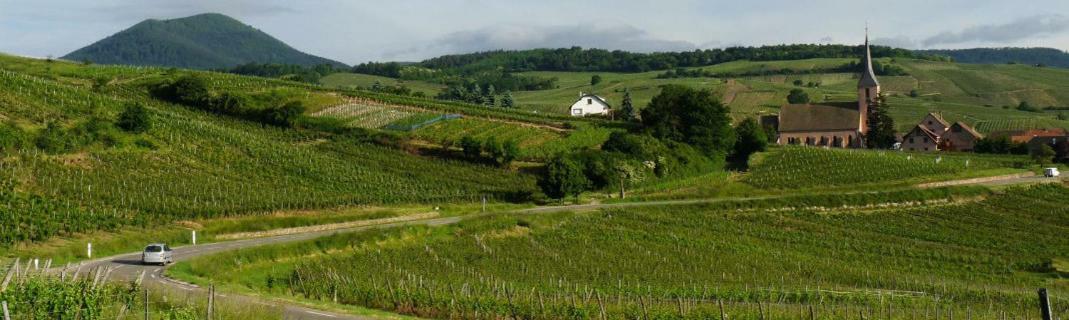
<point>589,104</point>
<point>839,125</point>
<point>935,134</point>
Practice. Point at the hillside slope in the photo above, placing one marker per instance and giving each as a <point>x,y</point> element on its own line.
<point>204,41</point>
<point>1032,56</point>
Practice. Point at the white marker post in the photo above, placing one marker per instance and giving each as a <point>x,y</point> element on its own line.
<point>89,250</point>
<point>194,237</point>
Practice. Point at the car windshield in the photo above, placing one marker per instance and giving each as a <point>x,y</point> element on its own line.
<point>154,249</point>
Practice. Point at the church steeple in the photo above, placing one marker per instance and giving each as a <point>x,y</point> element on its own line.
<point>868,76</point>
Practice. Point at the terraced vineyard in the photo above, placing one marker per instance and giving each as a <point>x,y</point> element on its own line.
<point>368,115</point>
<point>799,167</point>
<point>905,255</point>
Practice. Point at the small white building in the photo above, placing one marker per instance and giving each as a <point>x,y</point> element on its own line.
<point>589,104</point>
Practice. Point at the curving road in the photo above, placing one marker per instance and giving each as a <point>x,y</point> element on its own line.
<point>127,267</point>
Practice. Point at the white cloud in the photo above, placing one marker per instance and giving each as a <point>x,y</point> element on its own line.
<point>1020,29</point>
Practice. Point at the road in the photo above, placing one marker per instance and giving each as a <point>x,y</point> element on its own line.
<point>127,266</point>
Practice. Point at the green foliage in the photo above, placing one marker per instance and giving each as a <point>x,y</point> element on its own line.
<point>690,116</point>
<point>1025,106</point>
<point>11,138</point>
<point>881,133</point>
<point>502,154</point>
<point>751,139</point>
<point>1042,154</point>
<point>1031,56</point>
<point>798,96</point>
<point>1000,144</point>
<point>595,80</point>
<point>507,100</point>
<point>54,139</point>
<point>473,149</point>
<point>309,74</point>
<point>134,118</point>
<point>563,177</point>
<point>627,108</point>
<point>205,41</point>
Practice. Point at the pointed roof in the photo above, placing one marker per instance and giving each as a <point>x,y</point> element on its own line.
<point>924,130</point>
<point>967,129</point>
<point>939,118</point>
<point>868,76</point>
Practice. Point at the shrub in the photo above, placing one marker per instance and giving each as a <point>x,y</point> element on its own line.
<point>53,139</point>
<point>472,148</point>
<point>798,96</point>
<point>134,118</point>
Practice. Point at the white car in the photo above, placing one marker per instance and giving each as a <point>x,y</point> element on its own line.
<point>1051,173</point>
<point>157,253</point>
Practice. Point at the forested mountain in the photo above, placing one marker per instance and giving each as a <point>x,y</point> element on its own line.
<point>205,41</point>
<point>1034,56</point>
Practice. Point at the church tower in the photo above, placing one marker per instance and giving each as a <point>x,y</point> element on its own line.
<point>868,89</point>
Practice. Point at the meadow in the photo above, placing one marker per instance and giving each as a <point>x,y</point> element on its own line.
<point>959,253</point>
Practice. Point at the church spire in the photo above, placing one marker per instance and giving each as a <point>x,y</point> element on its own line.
<point>868,76</point>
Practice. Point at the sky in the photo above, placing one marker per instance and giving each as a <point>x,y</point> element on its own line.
<point>354,31</point>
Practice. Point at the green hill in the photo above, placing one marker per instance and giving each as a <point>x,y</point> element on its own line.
<point>205,41</point>
<point>1031,56</point>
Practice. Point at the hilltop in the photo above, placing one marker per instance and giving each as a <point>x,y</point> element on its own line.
<point>1032,56</point>
<point>204,41</point>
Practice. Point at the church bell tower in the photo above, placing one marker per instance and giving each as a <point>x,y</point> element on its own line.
<point>868,88</point>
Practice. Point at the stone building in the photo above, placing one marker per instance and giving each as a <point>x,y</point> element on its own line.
<point>935,134</point>
<point>840,125</point>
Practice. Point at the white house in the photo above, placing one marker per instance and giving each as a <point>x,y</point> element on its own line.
<point>589,104</point>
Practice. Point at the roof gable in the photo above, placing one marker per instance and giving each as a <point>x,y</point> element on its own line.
<point>964,128</point>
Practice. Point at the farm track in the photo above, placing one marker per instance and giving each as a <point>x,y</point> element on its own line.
<point>127,267</point>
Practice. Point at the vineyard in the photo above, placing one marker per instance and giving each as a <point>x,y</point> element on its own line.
<point>970,258</point>
<point>794,167</point>
<point>367,115</point>
<point>192,164</point>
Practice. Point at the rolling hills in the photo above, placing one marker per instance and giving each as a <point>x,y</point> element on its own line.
<point>204,41</point>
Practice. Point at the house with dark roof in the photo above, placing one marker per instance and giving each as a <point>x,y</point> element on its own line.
<point>933,133</point>
<point>840,125</point>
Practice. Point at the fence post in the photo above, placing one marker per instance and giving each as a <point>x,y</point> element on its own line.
<point>7,316</point>
<point>194,237</point>
<point>89,249</point>
<point>146,302</point>
<point>1044,304</point>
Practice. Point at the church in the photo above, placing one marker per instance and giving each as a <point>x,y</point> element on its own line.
<point>835,124</point>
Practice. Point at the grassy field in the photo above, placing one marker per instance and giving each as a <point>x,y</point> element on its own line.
<point>353,80</point>
<point>916,254</point>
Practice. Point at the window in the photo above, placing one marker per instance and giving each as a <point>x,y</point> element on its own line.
<point>589,101</point>
<point>926,141</point>
<point>929,122</point>
<point>911,140</point>
<point>577,112</point>
<point>925,148</point>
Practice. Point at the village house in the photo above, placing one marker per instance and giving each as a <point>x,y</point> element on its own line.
<point>933,133</point>
<point>1026,136</point>
<point>589,104</point>
<point>840,125</point>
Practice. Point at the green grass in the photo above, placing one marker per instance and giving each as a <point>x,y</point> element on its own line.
<point>794,167</point>
<point>911,252</point>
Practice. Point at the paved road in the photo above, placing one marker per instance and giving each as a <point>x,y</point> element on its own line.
<point>128,267</point>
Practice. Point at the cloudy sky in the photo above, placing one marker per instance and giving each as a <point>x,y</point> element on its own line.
<point>354,31</point>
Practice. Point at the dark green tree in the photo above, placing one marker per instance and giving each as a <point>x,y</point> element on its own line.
<point>507,101</point>
<point>750,139</point>
<point>881,133</point>
<point>284,116</point>
<point>798,96</point>
<point>134,118</point>
<point>53,139</point>
<point>488,96</point>
<point>563,177</point>
<point>1043,154</point>
<point>690,116</point>
<point>627,108</point>
<point>502,153</point>
<point>471,147</point>
<point>595,80</point>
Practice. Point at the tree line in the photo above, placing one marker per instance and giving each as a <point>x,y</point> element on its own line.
<point>881,69</point>
<point>193,91</point>
<point>293,72</point>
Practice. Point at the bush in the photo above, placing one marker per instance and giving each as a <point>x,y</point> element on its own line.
<point>502,153</point>
<point>134,118</point>
<point>472,148</point>
<point>798,96</point>
<point>53,139</point>
<point>11,138</point>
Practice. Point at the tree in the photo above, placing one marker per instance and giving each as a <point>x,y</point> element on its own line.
<point>595,80</point>
<point>507,101</point>
<point>627,173</point>
<point>914,93</point>
<point>472,148</point>
<point>284,116</point>
<point>627,109</point>
<point>750,139</point>
<point>502,153</point>
<point>798,82</point>
<point>690,116</point>
<point>134,118</point>
<point>563,177</point>
<point>881,133</point>
<point>1042,154</point>
<point>798,96</point>
<point>489,98</point>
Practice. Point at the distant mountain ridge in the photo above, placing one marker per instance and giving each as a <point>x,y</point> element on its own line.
<point>1033,56</point>
<point>204,41</point>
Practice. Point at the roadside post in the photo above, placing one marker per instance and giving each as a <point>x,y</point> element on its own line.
<point>194,237</point>
<point>89,249</point>
<point>6,315</point>
<point>1044,304</point>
